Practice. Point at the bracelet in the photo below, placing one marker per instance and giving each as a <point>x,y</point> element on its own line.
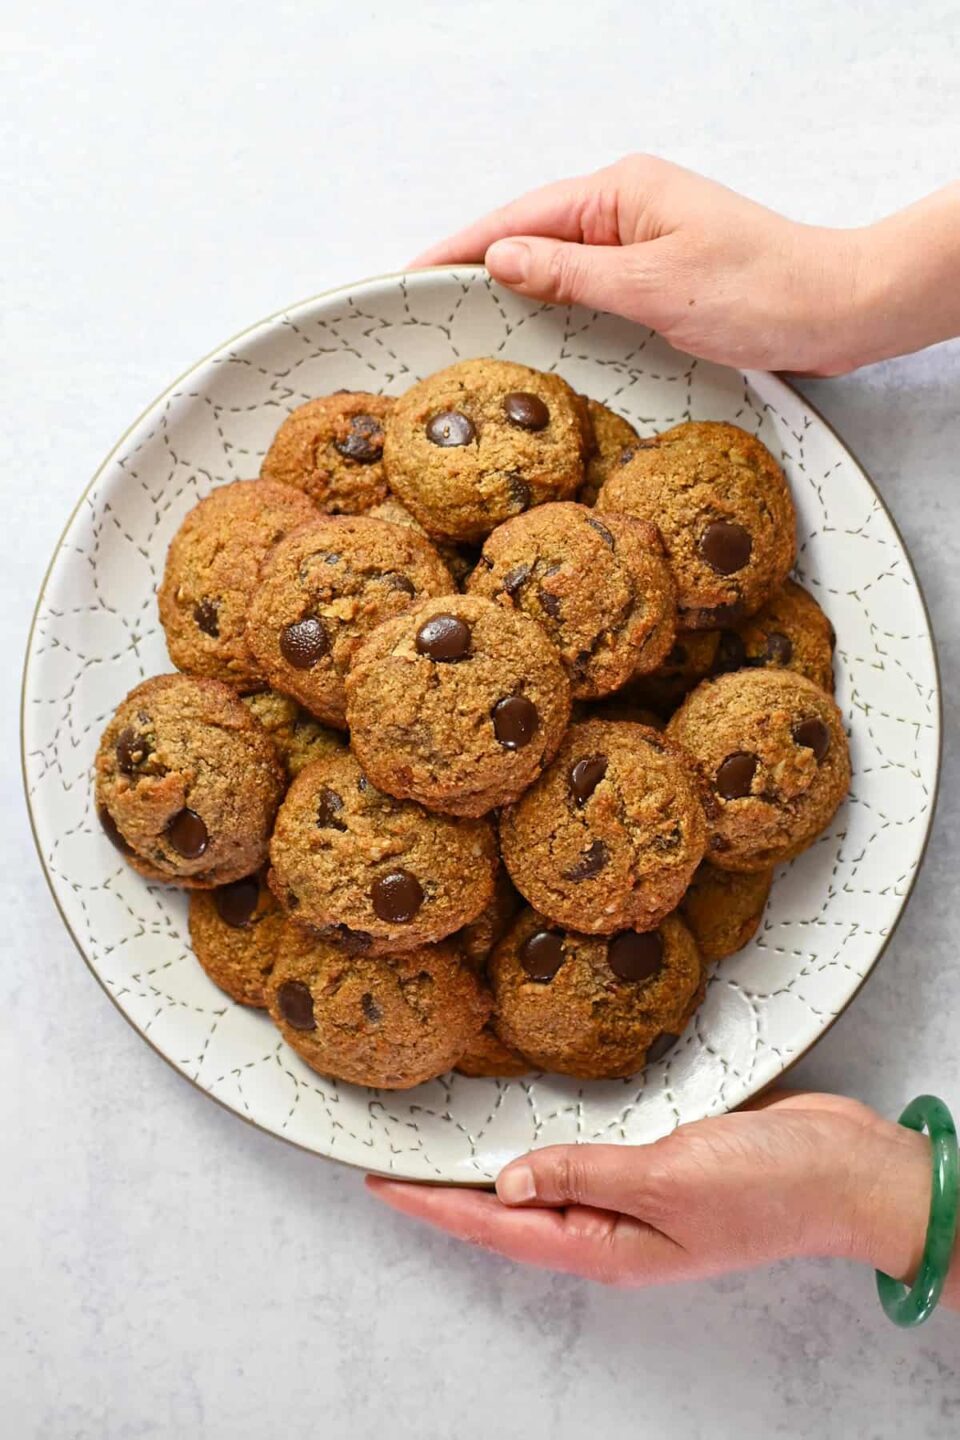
<point>912,1306</point>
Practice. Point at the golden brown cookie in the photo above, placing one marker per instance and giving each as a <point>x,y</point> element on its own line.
<point>458,704</point>
<point>723,909</point>
<point>459,559</point>
<point>380,873</point>
<point>612,435</point>
<point>724,510</point>
<point>693,657</point>
<point>772,754</point>
<point>392,1022</point>
<point>596,1007</point>
<point>488,1056</point>
<point>211,574</point>
<point>299,738</point>
<point>326,587</point>
<point>601,589</point>
<point>610,835</point>
<point>235,930</point>
<point>481,441</point>
<point>789,632</point>
<point>332,449</point>
<point>188,782</point>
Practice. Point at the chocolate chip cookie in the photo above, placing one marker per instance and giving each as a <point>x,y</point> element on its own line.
<point>487,1054</point>
<point>391,1022</point>
<point>773,758</point>
<point>211,574</point>
<point>612,436</point>
<point>332,449</point>
<point>601,589</point>
<point>299,738</point>
<point>188,782</point>
<point>691,659</point>
<point>723,908</point>
<point>596,1007</point>
<point>458,704</point>
<point>725,512</point>
<point>459,559</point>
<point>235,930</point>
<point>378,873</point>
<point>789,632</point>
<point>481,441</point>
<point>326,587</point>
<point>610,835</point>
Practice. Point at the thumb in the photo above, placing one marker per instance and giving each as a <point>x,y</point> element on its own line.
<point>562,272</point>
<point>609,1177</point>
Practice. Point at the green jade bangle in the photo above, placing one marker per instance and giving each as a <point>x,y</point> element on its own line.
<point>912,1306</point>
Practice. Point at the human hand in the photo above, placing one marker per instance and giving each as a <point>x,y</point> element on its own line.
<point>798,1174</point>
<point>722,277</point>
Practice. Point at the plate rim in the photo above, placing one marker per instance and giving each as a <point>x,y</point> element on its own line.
<point>346,291</point>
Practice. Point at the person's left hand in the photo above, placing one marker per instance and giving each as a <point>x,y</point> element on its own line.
<point>798,1174</point>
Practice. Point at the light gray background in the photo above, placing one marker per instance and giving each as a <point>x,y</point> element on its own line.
<point>171,173</point>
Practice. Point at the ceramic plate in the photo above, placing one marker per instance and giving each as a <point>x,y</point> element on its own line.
<point>96,635</point>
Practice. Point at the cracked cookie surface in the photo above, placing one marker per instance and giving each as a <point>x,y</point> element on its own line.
<point>331,448</point>
<point>211,573</point>
<point>326,587</point>
<point>610,835</point>
<point>724,510</point>
<point>458,704</point>
<point>773,759</point>
<point>480,441</point>
<point>188,782</point>
<point>391,1022</point>
<point>377,873</point>
<point>600,587</point>
<point>596,1007</point>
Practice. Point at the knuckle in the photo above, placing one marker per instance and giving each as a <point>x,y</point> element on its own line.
<point>561,274</point>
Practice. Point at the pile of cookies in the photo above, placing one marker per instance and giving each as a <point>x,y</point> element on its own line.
<point>491,720</point>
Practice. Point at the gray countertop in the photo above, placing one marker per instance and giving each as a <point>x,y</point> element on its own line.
<point>173,174</point>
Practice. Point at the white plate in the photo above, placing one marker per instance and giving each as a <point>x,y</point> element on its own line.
<point>96,635</point>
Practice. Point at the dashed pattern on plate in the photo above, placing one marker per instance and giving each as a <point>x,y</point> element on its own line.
<point>97,635</point>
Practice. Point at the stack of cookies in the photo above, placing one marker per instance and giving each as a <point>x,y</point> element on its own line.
<point>491,720</point>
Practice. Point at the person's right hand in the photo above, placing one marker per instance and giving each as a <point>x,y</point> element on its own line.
<point>720,276</point>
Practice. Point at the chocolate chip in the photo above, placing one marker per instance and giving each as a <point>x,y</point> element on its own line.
<point>515,579</point>
<point>206,613</point>
<point>363,442</point>
<point>814,735</point>
<point>585,776</point>
<point>236,903</point>
<point>370,1008</point>
<point>725,546</point>
<point>132,749</point>
<point>332,557</point>
<point>712,617</point>
<point>515,721</point>
<point>526,410</point>
<point>109,826</point>
<point>591,862</point>
<point>731,653</point>
<point>443,638</point>
<point>601,530</point>
<point>735,775</point>
<point>541,955</point>
<point>329,806</point>
<point>401,583</point>
<point>779,648</point>
<point>295,1004</point>
<point>450,427</point>
<point>520,496</point>
<point>636,957</point>
<point>552,604</point>
<point>188,834</point>
<point>661,1046</point>
<point>396,896</point>
<point>304,643</point>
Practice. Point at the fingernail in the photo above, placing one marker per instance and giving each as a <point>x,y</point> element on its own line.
<point>515,1185</point>
<point>509,261</point>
